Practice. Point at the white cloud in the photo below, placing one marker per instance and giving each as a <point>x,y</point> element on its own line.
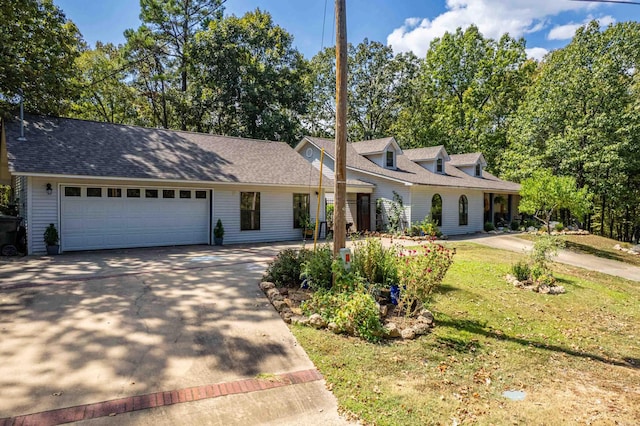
<point>492,17</point>
<point>536,53</point>
<point>567,31</point>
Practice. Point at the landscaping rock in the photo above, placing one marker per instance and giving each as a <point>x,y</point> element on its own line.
<point>316,321</point>
<point>543,289</point>
<point>426,317</point>
<point>333,327</point>
<point>266,285</point>
<point>299,320</point>
<point>286,316</point>
<point>384,310</point>
<point>421,328</point>
<point>273,293</point>
<point>635,249</point>
<point>408,334</point>
<point>557,289</point>
<point>391,330</point>
<point>280,305</point>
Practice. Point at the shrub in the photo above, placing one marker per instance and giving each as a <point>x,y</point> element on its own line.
<point>558,227</point>
<point>375,263</point>
<point>429,227</point>
<point>420,272</point>
<point>544,248</point>
<point>488,226</point>
<point>316,269</point>
<point>521,271</point>
<point>285,269</point>
<point>515,225</point>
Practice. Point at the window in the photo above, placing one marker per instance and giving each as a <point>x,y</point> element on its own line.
<point>249,211</point>
<point>201,194</point>
<point>436,209</point>
<point>463,210</point>
<point>168,193</point>
<point>72,191</point>
<point>185,194</point>
<point>390,159</point>
<point>439,166</point>
<point>478,170</point>
<point>114,192</point>
<point>300,209</point>
<point>133,193</point>
<point>151,193</point>
<point>94,192</point>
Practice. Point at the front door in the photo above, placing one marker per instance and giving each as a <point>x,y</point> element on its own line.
<point>364,212</point>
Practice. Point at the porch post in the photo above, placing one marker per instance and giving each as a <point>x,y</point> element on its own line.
<point>491,218</point>
<point>510,200</point>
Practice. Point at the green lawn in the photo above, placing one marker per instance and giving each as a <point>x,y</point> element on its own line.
<point>575,355</point>
<point>595,245</point>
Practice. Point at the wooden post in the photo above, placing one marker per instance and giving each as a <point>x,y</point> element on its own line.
<point>340,188</point>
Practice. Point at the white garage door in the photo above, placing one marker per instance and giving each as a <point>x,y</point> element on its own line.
<point>94,217</point>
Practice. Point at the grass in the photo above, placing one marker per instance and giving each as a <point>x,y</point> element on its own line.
<point>595,245</point>
<point>575,355</point>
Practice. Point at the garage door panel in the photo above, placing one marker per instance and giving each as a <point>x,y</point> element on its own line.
<point>108,222</point>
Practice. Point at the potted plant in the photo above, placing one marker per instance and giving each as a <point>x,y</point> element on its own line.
<point>218,233</point>
<point>307,227</point>
<point>51,239</point>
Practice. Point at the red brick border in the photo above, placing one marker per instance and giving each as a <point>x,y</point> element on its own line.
<point>159,399</point>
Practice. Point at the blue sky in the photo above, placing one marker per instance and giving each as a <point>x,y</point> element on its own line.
<point>405,24</point>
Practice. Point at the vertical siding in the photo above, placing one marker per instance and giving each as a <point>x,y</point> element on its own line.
<point>42,209</point>
<point>276,214</point>
<point>421,207</point>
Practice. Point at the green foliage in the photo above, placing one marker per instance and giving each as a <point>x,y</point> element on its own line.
<point>218,230</point>
<point>545,247</point>
<point>543,194</point>
<point>51,236</point>
<point>521,270</point>
<point>38,47</point>
<point>426,227</point>
<point>420,272</point>
<point>515,225</point>
<point>558,227</point>
<point>375,263</point>
<point>285,269</point>
<point>316,269</point>
<point>488,226</point>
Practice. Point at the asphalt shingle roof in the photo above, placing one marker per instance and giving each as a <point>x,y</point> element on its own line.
<point>62,146</point>
<point>465,159</point>
<point>426,153</point>
<point>369,147</point>
<point>408,171</point>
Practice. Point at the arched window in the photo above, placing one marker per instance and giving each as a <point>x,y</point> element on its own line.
<point>436,209</point>
<point>463,210</point>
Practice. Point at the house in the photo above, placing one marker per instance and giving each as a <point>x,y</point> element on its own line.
<point>454,190</point>
<point>116,186</point>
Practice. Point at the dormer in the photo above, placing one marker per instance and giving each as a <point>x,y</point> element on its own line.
<point>383,152</point>
<point>432,158</point>
<point>472,164</point>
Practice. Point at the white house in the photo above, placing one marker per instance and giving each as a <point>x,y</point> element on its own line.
<point>114,186</point>
<point>454,190</point>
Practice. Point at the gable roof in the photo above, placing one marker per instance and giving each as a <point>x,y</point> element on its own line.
<point>428,153</point>
<point>470,159</point>
<point>71,147</point>
<point>410,173</point>
<point>375,146</point>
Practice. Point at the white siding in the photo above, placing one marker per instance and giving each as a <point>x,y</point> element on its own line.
<point>421,207</point>
<point>276,214</point>
<point>42,209</point>
<point>328,167</point>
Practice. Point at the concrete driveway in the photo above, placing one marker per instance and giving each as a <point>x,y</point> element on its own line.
<point>104,337</point>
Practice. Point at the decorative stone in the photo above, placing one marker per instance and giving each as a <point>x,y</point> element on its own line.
<point>266,285</point>
<point>384,310</point>
<point>557,289</point>
<point>333,327</point>
<point>286,316</point>
<point>272,293</point>
<point>425,317</point>
<point>408,333</point>
<point>421,328</point>
<point>635,249</point>
<point>391,330</point>
<point>299,320</point>
<point>280,305</point>
<point>316,321</point>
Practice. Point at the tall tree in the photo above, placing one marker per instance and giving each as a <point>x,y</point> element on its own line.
<point>251,80</point>
<point>38,46</point>
<point>378,86</point>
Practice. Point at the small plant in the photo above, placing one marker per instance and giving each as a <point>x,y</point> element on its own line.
<point>375,263</point>
<point>285,269</point>
<point>421,272</point>
<point>429,227</point>
<point>51,236</point>
<point>521,271</point>
<point>545,247</point>
<point>558,227</point>
<point>218,230</point>
<point>488,226</point>
<point>514,225</point>
<point>396,213</point>
<point>317,268</point>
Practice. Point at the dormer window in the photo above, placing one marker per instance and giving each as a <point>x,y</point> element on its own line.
<point>390,160</point>
<point>439,166</point>
<point>478,170</point>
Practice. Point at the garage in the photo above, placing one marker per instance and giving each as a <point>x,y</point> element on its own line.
<point>108,217</point>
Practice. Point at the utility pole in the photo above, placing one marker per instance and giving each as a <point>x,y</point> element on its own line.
<point>340,186</point>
